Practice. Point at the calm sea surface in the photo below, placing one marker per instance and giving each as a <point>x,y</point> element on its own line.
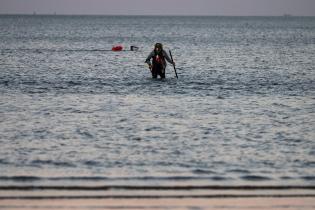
<point>241,112</point>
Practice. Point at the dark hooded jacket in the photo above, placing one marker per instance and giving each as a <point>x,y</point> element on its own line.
<point>158,58</point>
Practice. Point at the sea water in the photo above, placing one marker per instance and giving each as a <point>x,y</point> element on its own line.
<point>242,110</point>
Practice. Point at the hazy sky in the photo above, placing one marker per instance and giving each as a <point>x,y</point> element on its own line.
<point>160,7</point>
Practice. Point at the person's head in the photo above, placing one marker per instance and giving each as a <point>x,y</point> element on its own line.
<point>158,47</point>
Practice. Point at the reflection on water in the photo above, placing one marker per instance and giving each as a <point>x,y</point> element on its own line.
<point>242,110</point>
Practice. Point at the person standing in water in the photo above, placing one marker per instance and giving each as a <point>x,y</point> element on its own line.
<point>158,57</point>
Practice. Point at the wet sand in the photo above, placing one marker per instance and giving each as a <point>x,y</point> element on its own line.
<point>197,199</point>
<point>302,203</point>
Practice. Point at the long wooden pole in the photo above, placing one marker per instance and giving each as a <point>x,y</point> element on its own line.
<point>173,64</point>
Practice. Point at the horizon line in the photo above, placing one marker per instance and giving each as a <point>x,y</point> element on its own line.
<point>151,15</point>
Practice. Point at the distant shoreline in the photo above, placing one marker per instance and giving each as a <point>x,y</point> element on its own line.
<point>168,15</point>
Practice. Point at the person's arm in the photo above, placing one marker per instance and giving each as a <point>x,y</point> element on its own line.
<point>148,60</point>
<point>167,57</point>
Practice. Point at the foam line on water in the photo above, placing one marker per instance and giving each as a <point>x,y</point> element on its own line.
<point>153,187</point>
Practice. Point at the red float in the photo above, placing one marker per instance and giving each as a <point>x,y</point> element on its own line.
<point>117,48</point>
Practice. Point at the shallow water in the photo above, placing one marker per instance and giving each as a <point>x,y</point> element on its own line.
<point>241,112</point>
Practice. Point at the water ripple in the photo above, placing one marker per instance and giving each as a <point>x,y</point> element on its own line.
<point>241,111</point>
